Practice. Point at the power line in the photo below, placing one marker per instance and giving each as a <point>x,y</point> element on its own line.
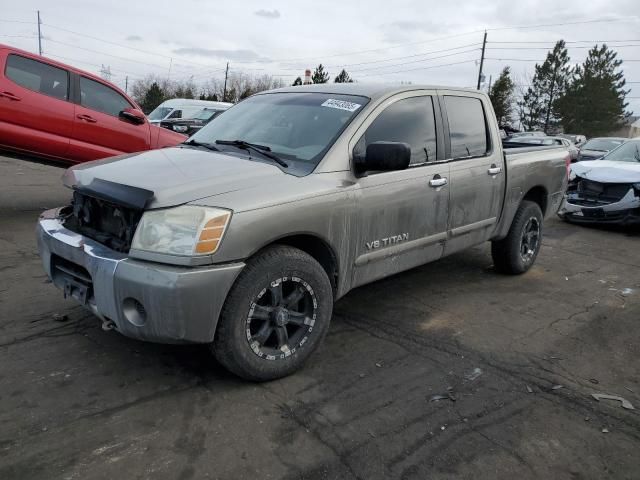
<point>131,74</point>
<point>164,67</point>
<point>513,27</point>
<point>123,46</point>
<point>17,21</point>
<point>536,60</point>
<point>421,68</point>
<point>546,48</point>
<point>571,41</point>
<point>413,61</point>
<point>580,22</point>
<point>477,44</point>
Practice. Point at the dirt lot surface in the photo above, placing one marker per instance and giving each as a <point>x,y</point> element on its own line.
<point>515,358</point>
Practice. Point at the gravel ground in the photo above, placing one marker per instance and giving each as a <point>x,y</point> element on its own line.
<point>515,358</point>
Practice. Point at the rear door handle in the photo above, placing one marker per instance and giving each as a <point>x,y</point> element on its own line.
<point>87,118</point>
<point>438,181</point>
<point>493,170</point>
<point>10,96</point>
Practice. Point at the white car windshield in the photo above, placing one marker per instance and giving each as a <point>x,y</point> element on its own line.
<point>628,152</point>
<point>159,113</point>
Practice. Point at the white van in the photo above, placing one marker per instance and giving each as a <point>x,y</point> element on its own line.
<point>183,108</point>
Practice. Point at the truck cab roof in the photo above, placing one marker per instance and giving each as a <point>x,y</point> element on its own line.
<point>370,90</point>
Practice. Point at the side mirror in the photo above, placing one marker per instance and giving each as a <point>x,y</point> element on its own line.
<point>384,157</point>
<point>132,115</point>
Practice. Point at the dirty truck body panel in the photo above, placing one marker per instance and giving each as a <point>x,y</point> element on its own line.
<point>359,226</point>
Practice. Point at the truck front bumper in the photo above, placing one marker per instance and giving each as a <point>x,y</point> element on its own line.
<point>143,300</point>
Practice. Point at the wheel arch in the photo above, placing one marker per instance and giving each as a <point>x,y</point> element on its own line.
<point>539,195</point>
<point>316,247</point>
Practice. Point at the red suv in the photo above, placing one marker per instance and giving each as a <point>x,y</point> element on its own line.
<point>57,111</point>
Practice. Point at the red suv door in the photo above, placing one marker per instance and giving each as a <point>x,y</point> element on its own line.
<point>35,112</point>
<point>98,130</point>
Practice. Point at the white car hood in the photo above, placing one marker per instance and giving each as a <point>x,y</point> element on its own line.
<point>608,171</point>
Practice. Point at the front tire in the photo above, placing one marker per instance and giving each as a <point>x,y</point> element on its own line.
<point>275,316</point>
<point>516,253</point>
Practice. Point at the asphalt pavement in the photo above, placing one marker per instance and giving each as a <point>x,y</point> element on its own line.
<point>446,371</point>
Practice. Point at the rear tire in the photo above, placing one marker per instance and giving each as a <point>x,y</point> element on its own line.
<point>275,316</point>
<point>517,252</point>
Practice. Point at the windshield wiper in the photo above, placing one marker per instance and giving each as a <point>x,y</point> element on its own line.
<point>262,149</point>
<point>194,143</point>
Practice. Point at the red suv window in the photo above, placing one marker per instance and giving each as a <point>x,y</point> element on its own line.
<point>38,76</point>
<point>99,97</point>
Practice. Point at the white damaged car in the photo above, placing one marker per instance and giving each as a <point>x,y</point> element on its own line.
<point>605,190</point>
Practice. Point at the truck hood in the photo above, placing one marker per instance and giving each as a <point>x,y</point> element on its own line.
<point>179,175</point>
<point>608,171</point>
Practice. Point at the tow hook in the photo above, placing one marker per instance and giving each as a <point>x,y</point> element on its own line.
<point>108,325</point>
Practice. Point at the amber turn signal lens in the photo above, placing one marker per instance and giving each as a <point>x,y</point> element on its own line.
<point>211,234</point>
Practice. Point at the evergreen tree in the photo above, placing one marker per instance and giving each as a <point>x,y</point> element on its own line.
<point>501,96</point>
<point>188,93</point>
<point>153,97</point>
<point>297,81</point>
<point>319,75</point>
<point>550,82</point>
<point>343,77</point>
<point>594,104</point>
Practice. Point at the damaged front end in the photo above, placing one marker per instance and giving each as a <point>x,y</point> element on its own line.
<point>106,212</point>
<point>588,201</point>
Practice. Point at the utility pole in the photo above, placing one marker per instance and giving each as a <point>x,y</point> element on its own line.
<point>490,78</point>
<point>126,84</point>
<point>39,35</point>
<point>224,92</point>
<point>484,44</point>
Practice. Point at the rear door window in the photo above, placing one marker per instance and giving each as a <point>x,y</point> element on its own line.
<point>38,76</point>
<point>99,97</point>
<point>467,127</point>
<point>410,120</point>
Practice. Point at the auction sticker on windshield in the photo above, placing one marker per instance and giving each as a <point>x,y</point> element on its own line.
<point>341,104</point>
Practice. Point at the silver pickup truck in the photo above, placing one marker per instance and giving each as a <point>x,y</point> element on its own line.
<point>244,236</point>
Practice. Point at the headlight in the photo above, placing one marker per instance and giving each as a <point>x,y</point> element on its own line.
<point>187,230</point>
<point>180,128</point>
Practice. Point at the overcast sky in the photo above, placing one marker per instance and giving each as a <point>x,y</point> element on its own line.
<point>376,41</point>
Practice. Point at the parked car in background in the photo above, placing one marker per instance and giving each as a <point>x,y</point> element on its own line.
<point>528,134</point>
<point>177,108</point>
<point>597,147</point>
<point>542,141</point>
<point>244,236</point>
<point>189,126</point>
<point>577,140</point>
<point>56,111</point>
<point>605,190</point>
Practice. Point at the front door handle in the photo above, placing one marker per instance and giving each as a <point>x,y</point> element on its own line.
<point>493,170</point>
<point>438,181</point>
<point>87,118</point>
<point>10,96</point>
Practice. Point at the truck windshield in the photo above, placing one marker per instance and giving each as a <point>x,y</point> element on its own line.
<point>295,126</point>
<point>159,113</point>
<point>628,152</point>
